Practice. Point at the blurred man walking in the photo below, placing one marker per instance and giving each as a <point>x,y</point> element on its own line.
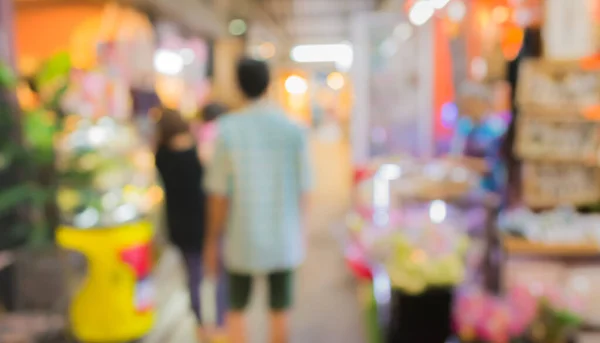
<point>258,182</point>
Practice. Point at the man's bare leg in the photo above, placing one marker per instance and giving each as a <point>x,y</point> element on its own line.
<point>236,325</point>
<point>280,327</point>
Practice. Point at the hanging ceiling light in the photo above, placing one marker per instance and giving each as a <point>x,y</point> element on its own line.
<point>421,12</point>
<point>266,50</point>
<point>336,81</point>
<point>321,53</point>
<point>237,27</point>
<point>340,54</point>
<point>296,85</point>
<point>501,14</point>
<point>168,62</point>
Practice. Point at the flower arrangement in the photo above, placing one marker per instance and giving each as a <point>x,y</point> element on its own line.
<point>421,253</point>
<point>413,269</point>
<point>519,317</point>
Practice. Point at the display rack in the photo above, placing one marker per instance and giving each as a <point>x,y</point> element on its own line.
<point>557,135</point>
<point>558,142</point>
<point>524,247</point>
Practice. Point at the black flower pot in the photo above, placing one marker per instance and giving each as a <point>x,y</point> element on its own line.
<point>423,318</point>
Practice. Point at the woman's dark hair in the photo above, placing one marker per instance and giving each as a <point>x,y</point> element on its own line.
<point>170,124</point>
<point>253,77</point>
<point>213,111</point>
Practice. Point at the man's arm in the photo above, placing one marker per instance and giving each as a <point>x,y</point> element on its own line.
<point>218,208</point>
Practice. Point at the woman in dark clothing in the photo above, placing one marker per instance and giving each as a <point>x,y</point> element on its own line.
<point>181,173</point>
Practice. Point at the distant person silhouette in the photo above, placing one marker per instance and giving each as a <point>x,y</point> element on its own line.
<point>207,129</point>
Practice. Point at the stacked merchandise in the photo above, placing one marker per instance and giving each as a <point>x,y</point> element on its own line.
<point>558,141</point>
<point>549,243</point>
<point>557,136</point>
<point>107,172</point>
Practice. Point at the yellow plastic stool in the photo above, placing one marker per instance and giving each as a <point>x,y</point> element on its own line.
<point>116,301</point>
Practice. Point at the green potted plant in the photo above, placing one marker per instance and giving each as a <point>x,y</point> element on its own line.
<point>26,181</point>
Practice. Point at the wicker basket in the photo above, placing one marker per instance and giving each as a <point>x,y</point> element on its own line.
<point>549,185</point>
<point>553,140</point>
<point>560,89</point>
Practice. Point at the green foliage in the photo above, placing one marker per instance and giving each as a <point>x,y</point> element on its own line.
<point>7,78</point>
<point>38,133</point>
<point>554,325</point>
<point>26,160</point>
<point>54,69</point>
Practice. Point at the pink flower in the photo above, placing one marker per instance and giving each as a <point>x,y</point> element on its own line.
<point>494,326</point>
<point>469,309</point>
<point>523,308</point>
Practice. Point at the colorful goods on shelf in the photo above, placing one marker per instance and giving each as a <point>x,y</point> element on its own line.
<point>543,315</point>
<point>107,173</point>
<point>557,132</point>
<point>561,225</point>
<point>413,180</point>
<point>570,141</point>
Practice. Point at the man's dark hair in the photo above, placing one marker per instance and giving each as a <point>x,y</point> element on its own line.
<point>253,77</point>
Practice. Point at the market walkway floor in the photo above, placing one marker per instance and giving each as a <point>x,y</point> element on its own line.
<point>327,309</point>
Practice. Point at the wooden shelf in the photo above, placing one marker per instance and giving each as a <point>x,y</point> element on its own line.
<point>520,246</point>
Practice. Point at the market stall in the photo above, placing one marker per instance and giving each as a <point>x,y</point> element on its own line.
<point>78,79</point>
<point>556,229</point>
<point>543,263</point>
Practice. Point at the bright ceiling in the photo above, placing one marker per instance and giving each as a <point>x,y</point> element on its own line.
<point>316,21</point>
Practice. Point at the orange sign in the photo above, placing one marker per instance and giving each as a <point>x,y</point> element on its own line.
<point>591,63</point>
<point>592,112</point>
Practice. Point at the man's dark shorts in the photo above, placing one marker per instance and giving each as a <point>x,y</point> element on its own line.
<point>281,286</point>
